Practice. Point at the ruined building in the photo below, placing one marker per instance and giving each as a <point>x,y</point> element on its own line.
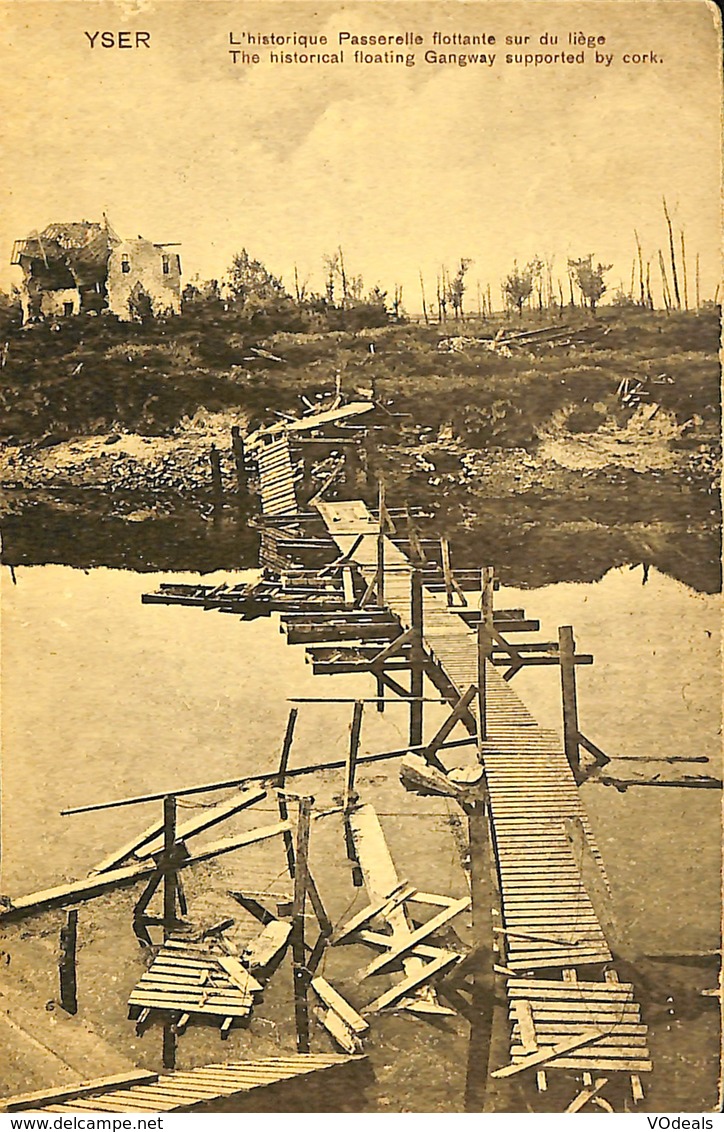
<point>85,266</point>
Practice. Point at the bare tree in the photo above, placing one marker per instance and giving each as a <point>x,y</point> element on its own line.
<point>641,269</point>
<point>683,269</point>
<point>424,303</point>
<point>331,264</point>
<point>664,283</point>
<point>441,299</point>
<point>674,274</point>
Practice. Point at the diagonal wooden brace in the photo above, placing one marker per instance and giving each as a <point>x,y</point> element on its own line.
<point>459,711</point>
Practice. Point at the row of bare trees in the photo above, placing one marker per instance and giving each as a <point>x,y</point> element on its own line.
<point>526,286</point>
<point>676,294</point>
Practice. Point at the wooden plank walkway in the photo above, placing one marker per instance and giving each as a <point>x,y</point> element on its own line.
<point>549,921</point>
<point>276,477</point>
<point>179,1091</point>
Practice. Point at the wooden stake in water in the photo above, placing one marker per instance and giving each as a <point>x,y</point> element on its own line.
<point>569,696</point>
<point>169,873</point>
<point>66,963</point>
<point>299,957</point>
<point>417,659</point>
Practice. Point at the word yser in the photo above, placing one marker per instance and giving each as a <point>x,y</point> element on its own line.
<point>123,39</point>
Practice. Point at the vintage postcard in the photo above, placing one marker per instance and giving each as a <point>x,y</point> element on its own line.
<point>361,561</point>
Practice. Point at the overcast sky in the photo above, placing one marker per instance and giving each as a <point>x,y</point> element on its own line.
<point>405,167</point>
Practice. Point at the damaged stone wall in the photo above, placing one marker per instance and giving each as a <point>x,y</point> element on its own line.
<point>143,275</point>
<point>61,302</point>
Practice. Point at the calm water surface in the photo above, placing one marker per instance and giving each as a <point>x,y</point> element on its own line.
<point>104,697</point>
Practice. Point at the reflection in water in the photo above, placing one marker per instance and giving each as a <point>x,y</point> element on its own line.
<point>531,547</point>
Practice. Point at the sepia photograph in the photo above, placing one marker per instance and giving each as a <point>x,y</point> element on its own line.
<point>358,362</point>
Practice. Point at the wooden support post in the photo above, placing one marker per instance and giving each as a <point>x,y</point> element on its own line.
<point>566,653</point>
<point>351,767</point>
<point>417,658</point>
<point>169,1045</point>
<point>169,873</point>
<point>380,694</point>
<point>446,570</point>
<point>283,764</point>
<point>217,487</point>
<point>485,644</point>
<point>237,445</point>
<point>483,996</point>
<point>299,952</point>
<point>66,963</point>
<point>487,590</point>
<point>459,712</point>
<point>380,575</point>
<point>483,656</point>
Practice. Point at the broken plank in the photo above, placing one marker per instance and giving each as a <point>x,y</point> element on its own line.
<point>527,1025</point>
<point>335,1026</point>
<point>334,1000</point>
<point>587,1094</point>
<point>377,939</point>
<point>120,855</point>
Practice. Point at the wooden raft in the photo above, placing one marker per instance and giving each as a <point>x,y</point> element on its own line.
<point>547,1013</point>
<point>194,980</point>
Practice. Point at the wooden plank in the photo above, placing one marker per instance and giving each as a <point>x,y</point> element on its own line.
<point>335,1026</point>
<point>526,1025</point>
<point>206,819</point>
<point>613,1045</point>
<point>361,918</point>
<point>541,1057</point>
<point>394,994</point>
<point>553,1029</point>
<point>118,855</point>
<point>571,1011</point>
<point>331,998</point>
<point>581,986</point>
<point>587,1094</point>
<point>227,845</point>
<point>265,947</point>
<point>582,1064</point>
<point>377,939</point>
<point>239,975</point>
<point>66,1093</point>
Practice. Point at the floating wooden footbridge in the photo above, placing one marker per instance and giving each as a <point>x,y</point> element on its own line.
<point>362,599</point>
<point>533,973</point>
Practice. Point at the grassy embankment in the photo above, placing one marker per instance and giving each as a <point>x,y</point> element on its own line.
<point>483,440</point>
